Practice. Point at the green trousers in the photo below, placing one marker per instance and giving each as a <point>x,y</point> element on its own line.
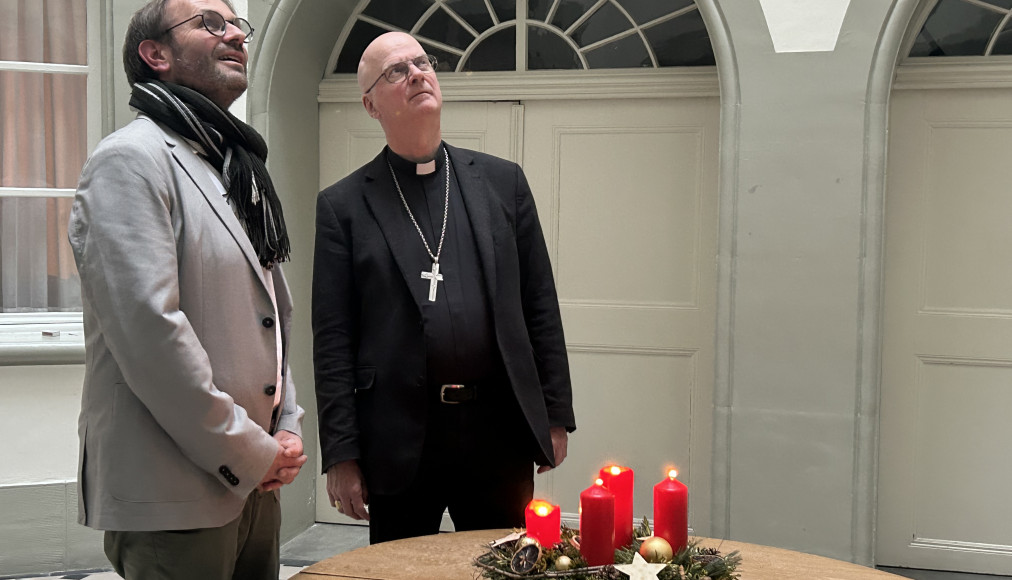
<point>244,549</point>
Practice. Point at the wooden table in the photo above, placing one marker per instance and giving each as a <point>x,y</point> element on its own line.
<point>449,556</point>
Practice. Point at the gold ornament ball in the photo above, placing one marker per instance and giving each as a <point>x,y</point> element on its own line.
<point>527,540</point>
<point>563,563</point>
<point>656,550</point>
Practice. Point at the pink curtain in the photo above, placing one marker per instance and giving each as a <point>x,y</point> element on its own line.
<point>43,143</point>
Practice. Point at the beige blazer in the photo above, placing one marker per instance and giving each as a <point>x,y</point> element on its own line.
<point>181,351</point>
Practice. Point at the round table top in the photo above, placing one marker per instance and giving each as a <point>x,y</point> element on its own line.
<point>449,557</point>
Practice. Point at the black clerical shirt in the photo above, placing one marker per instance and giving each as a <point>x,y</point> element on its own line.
<point>459,334</point>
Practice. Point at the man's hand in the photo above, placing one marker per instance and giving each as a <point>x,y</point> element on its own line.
<point>560,444</point>
<point>287,461</point>
<point>346,489</point>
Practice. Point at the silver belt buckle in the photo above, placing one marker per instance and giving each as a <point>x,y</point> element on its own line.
<point>442,393</point>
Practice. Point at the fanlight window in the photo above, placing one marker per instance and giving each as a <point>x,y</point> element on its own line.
<point>484,35</point>
<point>966,28</point>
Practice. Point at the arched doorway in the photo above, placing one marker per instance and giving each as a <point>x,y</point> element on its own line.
<point>947,312</point>
<point>624,166</point>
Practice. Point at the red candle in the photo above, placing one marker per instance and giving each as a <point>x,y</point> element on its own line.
<point>671,511</point>
<point>597,525</point>
<point>619,481</point>
<point>543,522</point>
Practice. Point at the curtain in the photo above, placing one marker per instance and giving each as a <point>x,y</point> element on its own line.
<point>43,144</point>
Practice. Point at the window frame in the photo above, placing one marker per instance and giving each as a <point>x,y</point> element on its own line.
<point>57,337</point>
<point>520,24</point>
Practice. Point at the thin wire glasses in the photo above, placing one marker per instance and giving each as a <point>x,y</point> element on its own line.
<point>216,24</point>
<point>399,71</point>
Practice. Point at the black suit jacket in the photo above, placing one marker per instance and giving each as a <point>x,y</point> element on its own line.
<point>369,347</point>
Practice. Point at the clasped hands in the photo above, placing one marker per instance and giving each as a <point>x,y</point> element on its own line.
<point>287,461</point>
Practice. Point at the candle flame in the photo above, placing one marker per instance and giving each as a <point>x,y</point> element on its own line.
<point>598,481</point>
<point>615,470</point>
<point>541,510</point>
<point>673,473</point>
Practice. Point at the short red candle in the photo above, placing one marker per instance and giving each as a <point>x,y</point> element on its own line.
<point>597,525</point>
<point>619,481</point>
<point>671,511</point>
<point>543,522</point>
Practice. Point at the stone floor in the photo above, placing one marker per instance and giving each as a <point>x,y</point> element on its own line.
<point>324,540</point>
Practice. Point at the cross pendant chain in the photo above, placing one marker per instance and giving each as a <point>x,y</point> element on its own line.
<point>434,278</point>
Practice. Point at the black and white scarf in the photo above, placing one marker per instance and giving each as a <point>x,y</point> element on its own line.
<point>235,149</point>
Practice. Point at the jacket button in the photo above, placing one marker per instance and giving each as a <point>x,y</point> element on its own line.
<point>267,322</point>
<point>270,390</point>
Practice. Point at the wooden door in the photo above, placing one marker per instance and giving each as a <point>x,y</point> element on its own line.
<point>947,338</point>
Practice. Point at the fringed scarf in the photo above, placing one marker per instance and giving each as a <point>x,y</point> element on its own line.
<point>235,149</point>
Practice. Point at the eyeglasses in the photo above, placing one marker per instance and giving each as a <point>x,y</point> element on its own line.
<point>216,24</point>
<point>399,71</point>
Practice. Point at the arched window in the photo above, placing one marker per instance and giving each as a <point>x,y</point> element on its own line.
<point>966,28</point>
<point>490,35</point>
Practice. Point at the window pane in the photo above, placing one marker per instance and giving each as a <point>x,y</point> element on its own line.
<point>956,28</point>
<point>442,27</point>
<point>643,11</point>
<point>681,41</point>
<point>360,36</point>
<point>474,12</point>
<point>547,50</point>
<point>505,10</point>
<point>626,53</point>
<point>50,31</point>
<point>37,270</point>
<point>43,129</point>
<point>605,23</point>
<point>1003,45</point>
<point>538,9</point>
<point>569,11</point>
<point>401,13</point>
<point>497,52</point>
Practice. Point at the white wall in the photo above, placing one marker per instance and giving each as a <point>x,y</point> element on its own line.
<point>40,423</point>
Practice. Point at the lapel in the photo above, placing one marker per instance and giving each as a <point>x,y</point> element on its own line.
<point>381,196</point>
<point>192,164</point>
<point>401,237</point>
<point>478,199</point>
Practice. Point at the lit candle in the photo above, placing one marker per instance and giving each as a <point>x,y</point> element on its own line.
<point>619,481</point>
<point>597,525</point>
<point>543,522</point>
<point>671,511</point>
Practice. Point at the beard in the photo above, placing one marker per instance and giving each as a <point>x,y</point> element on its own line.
<point>205,74</point>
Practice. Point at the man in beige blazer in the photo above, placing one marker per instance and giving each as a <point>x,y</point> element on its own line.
<point>188,422</point>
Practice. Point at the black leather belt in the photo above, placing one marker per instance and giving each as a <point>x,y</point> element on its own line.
<point>454,394</point>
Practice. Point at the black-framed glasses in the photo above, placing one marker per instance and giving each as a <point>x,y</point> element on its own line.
<point>399,71</point>
<point>216,24</point>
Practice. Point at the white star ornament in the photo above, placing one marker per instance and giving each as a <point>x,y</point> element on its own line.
<point>640,569</point>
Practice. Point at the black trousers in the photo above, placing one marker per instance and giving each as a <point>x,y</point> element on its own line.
<point>244,549</point>
<point>477,462</point>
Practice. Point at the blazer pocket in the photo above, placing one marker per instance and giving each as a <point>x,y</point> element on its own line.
<point>147,465</point>
<point>364,378</point>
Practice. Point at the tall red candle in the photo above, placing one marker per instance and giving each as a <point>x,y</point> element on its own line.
<point>671,511</point>
<point>543,522</point>
<point>597,525</point>
<point>619,481</point>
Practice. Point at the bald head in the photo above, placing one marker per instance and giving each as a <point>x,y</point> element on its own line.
<point>374,58</point>
<point>409,108</point>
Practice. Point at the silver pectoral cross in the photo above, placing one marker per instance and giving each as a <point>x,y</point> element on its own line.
<point>434,278</point>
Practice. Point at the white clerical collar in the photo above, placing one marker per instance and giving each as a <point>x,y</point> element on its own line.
<point>425,168</point>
